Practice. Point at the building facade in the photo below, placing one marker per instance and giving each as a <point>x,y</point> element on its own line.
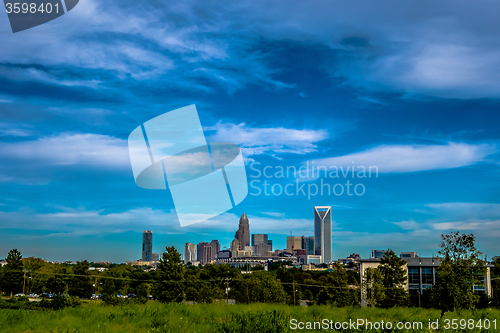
<point>189,253</point>
<point>147,245</point>
<point>421,273</point>
<point>323,233</point>
<point>308,245</point>
<point>215,248</point>
<point>293,243</point>
<point>243,233</point>
<point>204,253</point>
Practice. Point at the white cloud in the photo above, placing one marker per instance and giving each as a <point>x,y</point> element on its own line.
<point>412,158</point>
<point>270,140</point>
<point>65,220</point>
<point>69,149</point>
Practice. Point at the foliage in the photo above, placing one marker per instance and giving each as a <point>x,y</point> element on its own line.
<point>212,318</point>
<point>169,286</point>
<point>372,287</point>
<point>109,292</point>
<point>460,269</point>
<point>81,284</point>
<point>12,279</point>
<point>259,286</point>
<point>495,284</point>
<point>393,279</point>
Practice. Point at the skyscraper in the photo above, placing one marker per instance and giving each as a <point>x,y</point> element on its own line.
<point>189,253</point>
<point>323,233</point>
<point>293,243</point>
<point>204,253</point>
<point>261,244</point>
<point>215,248</point>
<point>308,244</point>
<point>243,233</point>
<point>147,245</point>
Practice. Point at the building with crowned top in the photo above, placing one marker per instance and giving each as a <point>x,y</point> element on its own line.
<point>243,233</point>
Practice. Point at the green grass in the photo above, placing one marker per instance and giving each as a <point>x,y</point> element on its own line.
<point>156,317</point>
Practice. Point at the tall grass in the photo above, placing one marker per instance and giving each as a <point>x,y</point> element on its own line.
<point>156,317</point>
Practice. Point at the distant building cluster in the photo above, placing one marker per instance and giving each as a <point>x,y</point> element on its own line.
<point>254,249</point>
<point>148,257</point>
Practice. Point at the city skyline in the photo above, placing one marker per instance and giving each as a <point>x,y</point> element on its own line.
<point>405,125</point>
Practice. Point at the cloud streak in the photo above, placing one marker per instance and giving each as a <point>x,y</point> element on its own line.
<point>413,158</point>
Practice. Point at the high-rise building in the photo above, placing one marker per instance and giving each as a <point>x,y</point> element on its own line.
<point>323,233</point>
<point>308,245</point>
<point>261,244</point>
<point>147,245</point>
<point>189,253</point>
<point>204,253</point>
<point>235,246</point>
<point>243,233</point>
<point>215,248</point>
<point>293,243</point>
<point>259,239</point>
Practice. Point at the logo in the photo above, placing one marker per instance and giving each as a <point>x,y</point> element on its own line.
<point>205,179</point>
<point>26,14</point>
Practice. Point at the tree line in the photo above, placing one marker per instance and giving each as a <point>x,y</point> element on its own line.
<point>384,286</point>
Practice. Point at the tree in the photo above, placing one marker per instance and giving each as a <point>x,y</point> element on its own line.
<point>13,276</point>
<point>495,284</point>
<point>81,284</point>
<point>259,286</point>
<point>393,279</point>
<point>109,292</point>
<point>142,292</point>
<point>372,288</point>
<point>169,285</point>
<point>460,269</point>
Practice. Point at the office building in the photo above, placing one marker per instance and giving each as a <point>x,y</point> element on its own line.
<point>204,253</point>
<point>243,233</point>
<point>235,246</point>
<point>189,253</point>
<point>259,239</point>
<point>405,255</point>
<point>261,245</point>
<point>323,233</point>
<point>293,243</point>
<point>308,245</point>
<point>147,245</point>
<point>421,274</point>
<point>379,254</point>
<point>155,257</point>
<point>215,248</point>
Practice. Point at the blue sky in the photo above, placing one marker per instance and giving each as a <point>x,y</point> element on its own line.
<point>412,89</point>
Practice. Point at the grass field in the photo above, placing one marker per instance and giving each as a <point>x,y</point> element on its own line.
<point>156,317</point>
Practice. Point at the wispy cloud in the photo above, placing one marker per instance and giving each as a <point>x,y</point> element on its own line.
<point>413,158</point>
<point>268,140</point>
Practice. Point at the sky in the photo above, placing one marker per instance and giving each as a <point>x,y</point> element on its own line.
<point>407,90</point>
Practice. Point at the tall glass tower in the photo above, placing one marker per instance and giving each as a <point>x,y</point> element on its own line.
<point>147,245</point>
<point>323,233</point>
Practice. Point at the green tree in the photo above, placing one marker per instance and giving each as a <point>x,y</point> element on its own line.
<point>394,279</point>
<point>13,276</point>
<point>81,284</point>
<point>169,284</point>
<point>142,293</point>
<point>495,283</point>
<point>372,288</point>
<point>460,269</point>
<point>259,286</point>
<point>109,292</point>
